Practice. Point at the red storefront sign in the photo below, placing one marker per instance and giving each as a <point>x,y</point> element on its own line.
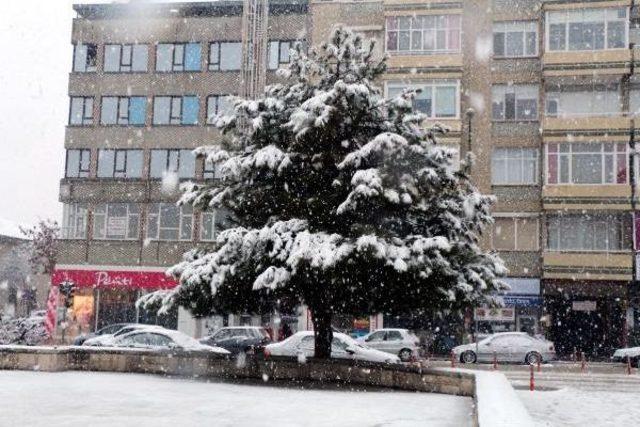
<point>113,279</point>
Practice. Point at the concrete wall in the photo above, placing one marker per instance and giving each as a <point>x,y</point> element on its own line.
<point>204,364</point>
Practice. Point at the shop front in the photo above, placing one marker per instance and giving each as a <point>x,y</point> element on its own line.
<point>520,312</point>
<point>586,316</point>
<point>103,295</point>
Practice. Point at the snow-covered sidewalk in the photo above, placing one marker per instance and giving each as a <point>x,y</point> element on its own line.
<point>108,399</point>
<point>572,407</point>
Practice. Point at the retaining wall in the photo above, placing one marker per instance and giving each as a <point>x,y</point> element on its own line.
<point>211,365</point>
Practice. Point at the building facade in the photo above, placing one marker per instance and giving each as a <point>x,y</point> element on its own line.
<point>543,93</point>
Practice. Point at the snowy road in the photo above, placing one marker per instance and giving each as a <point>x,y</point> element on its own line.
<point>108,399</point>
<point>571,407</point>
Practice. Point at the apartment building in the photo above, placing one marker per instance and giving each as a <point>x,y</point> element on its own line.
<point>543,93</point>
<point>147,80</point>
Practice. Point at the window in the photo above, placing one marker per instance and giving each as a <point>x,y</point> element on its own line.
<point>212,223</point>
<point>125,58</point>
<point>516,39</point>
<point>427,34</point>
<point>437,99</point>
<point>591,232</point>
<point>514,102</point>
<point>182,162</point>
<point>587,163</point>
<point>81,111</point>
<point>225,56</point>
<point>74,221</point>
<point>123,110</point>
<point>587,29</point>
<point>116,221</point>
<point>394,336</point>
<point>516,233</point>
<point>279,53</point>
<point>167,221</point>
<point>119,163</point>
<point>514,166</point>
<point>178,57</point>
<point>218,104</point>
<point>78,163</point>
<point>582,101</point>
<point>376,336</point>
<point>211,171</point>
<point>634,101</point>
<point>84,58</point>
<point>175,110</point>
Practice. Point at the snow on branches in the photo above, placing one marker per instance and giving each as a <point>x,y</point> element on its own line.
<point>338,198</point>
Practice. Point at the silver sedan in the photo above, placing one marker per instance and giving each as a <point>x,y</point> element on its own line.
<point>507,347</point>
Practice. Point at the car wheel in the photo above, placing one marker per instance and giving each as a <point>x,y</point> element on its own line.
<point>468,357</point>
<point>533,358</point>
<point>405,355</point>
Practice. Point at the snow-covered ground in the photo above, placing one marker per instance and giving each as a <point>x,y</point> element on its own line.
<point>572,407</point>
<point>109,399</point>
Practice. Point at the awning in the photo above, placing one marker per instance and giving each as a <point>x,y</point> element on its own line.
<point>113,277</point>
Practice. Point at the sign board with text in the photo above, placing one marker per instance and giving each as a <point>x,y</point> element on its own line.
<point>500,314</point>
<point>137,279</point>
<point>584,306</point>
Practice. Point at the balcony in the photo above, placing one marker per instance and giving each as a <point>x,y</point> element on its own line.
<point>436,63</point>
<point>586,197</point>
<point>599,62</point>
<point>608,123</point>
<point>587,265</point>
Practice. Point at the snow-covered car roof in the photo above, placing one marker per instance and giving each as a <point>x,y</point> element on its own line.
<point>630,351</point>
<point>183,340</point>
<point>240,327</point>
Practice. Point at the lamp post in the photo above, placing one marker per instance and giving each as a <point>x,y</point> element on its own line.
<point>633,289</point>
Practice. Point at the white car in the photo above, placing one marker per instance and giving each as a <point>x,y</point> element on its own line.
<point>108,339</point>
<point>165,339</point>
<point>301,345</point>
<point>400,342</point>
<point>506,347</point>
<point>632,353</point>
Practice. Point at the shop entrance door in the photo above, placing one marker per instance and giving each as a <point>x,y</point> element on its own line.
<point>117,306</point>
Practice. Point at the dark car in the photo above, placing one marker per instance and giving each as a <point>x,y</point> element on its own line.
<point>109,329</point>
<point>239,339</point>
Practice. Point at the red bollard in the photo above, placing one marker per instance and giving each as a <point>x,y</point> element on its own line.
<point>453,359</point>
<point>495,361</point>
<point>583,364</point>
<point>532,384</point>
<point>628,366</point>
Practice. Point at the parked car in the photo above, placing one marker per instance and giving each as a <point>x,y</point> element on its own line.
<point>633,353</point>
<point>400,342</point>
<point>106,330</point>
<point>301,344</point>
<point>108,339</point>
<point>162,339</point>
<point>507,347</point>
<point>238,339</point>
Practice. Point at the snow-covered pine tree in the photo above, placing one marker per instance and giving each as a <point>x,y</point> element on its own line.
<point>342,201</point>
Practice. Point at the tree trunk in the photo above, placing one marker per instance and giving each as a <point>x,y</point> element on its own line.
<point>322,333</point>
